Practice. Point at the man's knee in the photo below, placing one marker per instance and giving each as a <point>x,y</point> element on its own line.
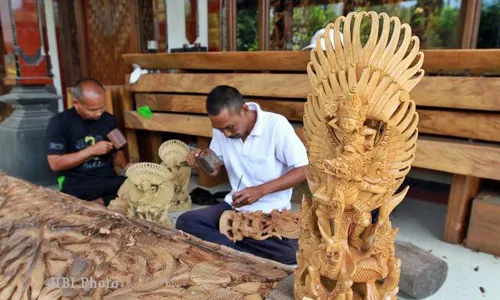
<point>289,257</point>
<point>182,222</point>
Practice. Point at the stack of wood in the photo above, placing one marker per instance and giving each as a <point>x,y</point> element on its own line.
<point>54,246</point>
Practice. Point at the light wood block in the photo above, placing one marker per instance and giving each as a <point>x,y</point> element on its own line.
<point>484,226</point>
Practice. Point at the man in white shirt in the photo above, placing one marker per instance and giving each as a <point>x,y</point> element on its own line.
<point>264,159</point>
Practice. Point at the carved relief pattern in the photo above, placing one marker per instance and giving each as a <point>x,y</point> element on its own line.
<point>360,127</point>
<point>111,31</point>
<point>46,236</point>
<point>259,225</point>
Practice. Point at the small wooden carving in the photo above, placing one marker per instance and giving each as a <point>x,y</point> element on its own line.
<point>147,193</point>
<point>55,246</point>
<point>259,226</point>
<point>360,128</point>
<point>173,154</point>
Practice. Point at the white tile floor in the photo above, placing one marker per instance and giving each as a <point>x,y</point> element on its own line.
<point>422,223</point>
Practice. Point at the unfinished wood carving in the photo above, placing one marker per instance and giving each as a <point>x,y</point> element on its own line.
<point>47,237</point>
<point>173,154</point>
<point>360,128</point>
<point>259,225</point>
<point>147,193</point>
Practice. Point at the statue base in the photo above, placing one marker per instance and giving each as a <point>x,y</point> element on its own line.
<point>23,134</point>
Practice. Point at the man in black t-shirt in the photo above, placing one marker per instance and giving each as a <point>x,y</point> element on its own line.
<point>79,149</point>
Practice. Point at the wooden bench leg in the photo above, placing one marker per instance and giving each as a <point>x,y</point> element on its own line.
<point>463,190</point>
<point>133,149</point>
<point>204,179</point>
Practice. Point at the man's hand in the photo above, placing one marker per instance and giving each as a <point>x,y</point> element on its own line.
<point>247,196</point>
<point>191,159</point>
<point>101,148</point>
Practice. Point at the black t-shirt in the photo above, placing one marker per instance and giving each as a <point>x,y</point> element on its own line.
<point>68,133</point>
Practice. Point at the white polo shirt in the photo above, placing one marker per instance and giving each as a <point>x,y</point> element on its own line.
<point>271,149</point>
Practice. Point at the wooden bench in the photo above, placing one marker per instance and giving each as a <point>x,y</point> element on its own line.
<point>459,116</point>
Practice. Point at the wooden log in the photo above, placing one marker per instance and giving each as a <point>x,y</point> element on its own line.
<point>422,273</point>
<point>463,190</point>
<point>477,61</point>
<point>484,226</point>
<point>450,92</point>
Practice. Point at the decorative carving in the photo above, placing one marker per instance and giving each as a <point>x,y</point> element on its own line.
<point>173,153</point>
<point>360,128</point>
<point>147,193</point>
<point>259,225</point>
<point>47,237</point>
<point>111,31</point>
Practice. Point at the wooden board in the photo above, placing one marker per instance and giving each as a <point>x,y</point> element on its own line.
<point>183,124</point>
<point>481,126</point>
<point>463,190</point>
<point>268,85</point>
<point>447,123</point>
<point>484,226</point>
<point>454,92</point>
<point>195,104</point>
<point>478,61</point>
<point>436,154</point>
<point>458,158</point>
<point>458,92</point>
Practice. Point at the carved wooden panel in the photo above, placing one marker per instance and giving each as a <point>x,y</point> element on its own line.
<point>111,30</point>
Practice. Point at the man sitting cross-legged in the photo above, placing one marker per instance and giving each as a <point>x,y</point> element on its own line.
<point>262,150</point>
<point>79,149</point>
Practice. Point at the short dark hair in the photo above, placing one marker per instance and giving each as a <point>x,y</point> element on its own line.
<point>77,90</point>
<point>224,97</point>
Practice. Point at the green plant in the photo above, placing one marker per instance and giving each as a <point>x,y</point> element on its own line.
<point>247,34</point>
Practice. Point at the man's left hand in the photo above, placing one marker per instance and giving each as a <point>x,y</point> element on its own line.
<point>247,196</point>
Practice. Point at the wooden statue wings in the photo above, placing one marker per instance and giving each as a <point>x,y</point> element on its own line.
<point>360,101</point>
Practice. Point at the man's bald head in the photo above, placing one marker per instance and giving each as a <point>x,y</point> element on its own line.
<point>89,98</point>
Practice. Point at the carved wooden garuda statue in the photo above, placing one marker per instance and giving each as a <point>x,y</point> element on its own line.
<point>360,128</point>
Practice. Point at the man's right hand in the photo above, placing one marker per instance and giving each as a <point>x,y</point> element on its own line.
<point>191,159</point>
<point>100,148</point>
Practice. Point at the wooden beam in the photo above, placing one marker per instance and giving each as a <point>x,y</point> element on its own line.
<point>151,143</point>
<point>458,92</point>
<point>264,25</point>
<point>183,124</point>
<point>452,92</point>
<point>463,190</point>
<point>132,145</point>
<point>195,104</point>
<point>477,61</point>
<point>471,19</point>
<point>458,158</point>
<point>269,85</point>
<point>244,60</point>
<point>232,24</point>
<point>480,126</point>
<point>81,36</point>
